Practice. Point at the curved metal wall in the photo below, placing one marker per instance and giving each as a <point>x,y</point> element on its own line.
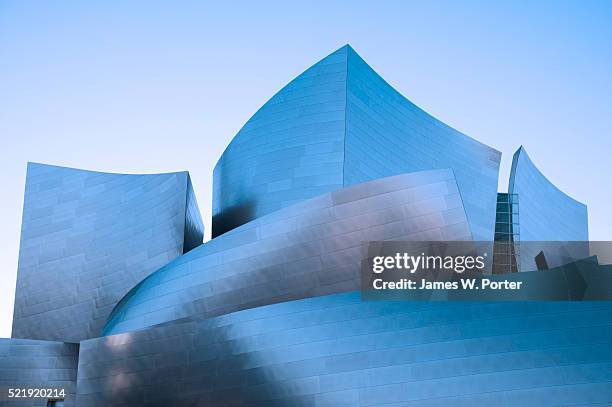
<point>194,226</point>
<point>386,134</point>
<point>87,238</point>
<point>28,364</point>
<point>290,150</point>
<point>546,214</point>
<point>340,351</point>
<point>309,249</point>
<point>266,314</point>
<point>340,124</point>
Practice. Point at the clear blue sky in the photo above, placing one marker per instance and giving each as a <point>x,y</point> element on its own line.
<point>163,86</point>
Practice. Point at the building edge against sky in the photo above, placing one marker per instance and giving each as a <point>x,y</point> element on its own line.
<point>546,214</point>
<point>338,124</point>
<point>87,237</point>
<point>334,158</point>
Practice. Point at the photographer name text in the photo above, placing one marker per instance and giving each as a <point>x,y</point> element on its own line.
<point>463,284</point>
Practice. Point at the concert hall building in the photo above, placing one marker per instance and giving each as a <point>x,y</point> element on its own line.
<point>120,303</point>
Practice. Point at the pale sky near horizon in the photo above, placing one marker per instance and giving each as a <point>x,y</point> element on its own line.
<point>149,86</point>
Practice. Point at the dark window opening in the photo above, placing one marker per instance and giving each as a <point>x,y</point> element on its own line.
<point>541,262</point>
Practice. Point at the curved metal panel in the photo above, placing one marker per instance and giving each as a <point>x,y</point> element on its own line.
<point>194,226</point>
<point>290,150</point>
<point>546,214</point>
<point>340,124</point>
<point>28,364</point>
<point>87,238</point>
<point>309,249</point>
<point>340,351</point>
<point>386,134</point>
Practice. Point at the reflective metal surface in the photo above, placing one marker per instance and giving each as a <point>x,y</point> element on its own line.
<point>309,249</point>
<point>340,351</point>
<point>339,124</point>
<point>87,238</point>
<point>28,364</point>
<point>386,134</point>
<point>290,150</point>
<point>546,214</point>
<point>267,313</point>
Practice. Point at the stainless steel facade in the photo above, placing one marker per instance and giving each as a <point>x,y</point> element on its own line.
<point>291,149</point>
<point>30,364</point>
<point>311,248</point>
<point>87,238</point>
<point>338,124</point>
<point>340,351</point>
<point>546,215</point>
<point>386,134</point>
<point>267,313</point>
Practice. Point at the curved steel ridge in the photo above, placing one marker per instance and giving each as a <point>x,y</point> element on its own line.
<point>311,248</point>
<point>340,351</point>
<point>520,154</point>
<point>546,214</point>
<point>338,124</point>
